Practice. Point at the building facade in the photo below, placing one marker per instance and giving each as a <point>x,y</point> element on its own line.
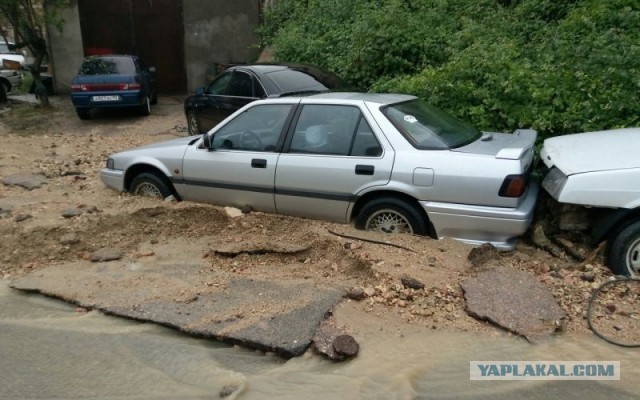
<point>184,39</point>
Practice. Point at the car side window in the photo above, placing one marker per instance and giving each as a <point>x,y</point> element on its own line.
<point>241,85</point>
<point>219,85</point>
<point>365,143</point>
<point>256,129</point>
<point>333,130</point>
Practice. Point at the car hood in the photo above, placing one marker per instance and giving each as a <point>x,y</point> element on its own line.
<point>176,143</point>
<point>593,151</point>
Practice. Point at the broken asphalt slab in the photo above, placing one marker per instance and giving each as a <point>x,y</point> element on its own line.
<point>271,316</point>
<point>28,182</point>
<point>514,300</point>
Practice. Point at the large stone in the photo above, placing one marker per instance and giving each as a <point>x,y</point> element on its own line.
<point>514,300</point>
<point>482,254</point>
<point>106,254</point>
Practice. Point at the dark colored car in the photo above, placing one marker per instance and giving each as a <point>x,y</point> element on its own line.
<point>240,85</point>
<point>113,81</point>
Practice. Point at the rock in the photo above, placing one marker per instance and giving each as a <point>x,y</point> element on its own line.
<point>4,212</point>
<point>227,391</point>
<point>106,254</point>
<point>324,337</point>
<point>369,291</point>
<point>588,276</point>
<point>356,293</point>
<point>431,261</point>
<point>411,283</point>
<point>28,182</point>
<point>480,255</point>
<point>22,217</point>
<point>346,345</point>
<point>73,212</point>
<point>233,212</point>
<point>573,218</point>
<point>514,300</point>
<point>69,239</point>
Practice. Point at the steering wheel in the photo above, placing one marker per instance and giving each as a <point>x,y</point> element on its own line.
<point>250,141</point>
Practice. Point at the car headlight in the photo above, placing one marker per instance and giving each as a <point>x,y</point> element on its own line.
<point>554,182</point>
<point>110,163</point>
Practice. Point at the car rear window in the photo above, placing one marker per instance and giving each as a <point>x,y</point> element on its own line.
<point>107,66</point>
<point>290,81</point>
<point>429,128</point>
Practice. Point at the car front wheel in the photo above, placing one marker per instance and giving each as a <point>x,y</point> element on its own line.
<point>623,255</point>
<point>150,185</point>
<point>192,123</point>
<point>391,215</point>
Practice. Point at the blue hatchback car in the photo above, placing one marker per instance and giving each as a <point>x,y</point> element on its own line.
<point>113,81</point>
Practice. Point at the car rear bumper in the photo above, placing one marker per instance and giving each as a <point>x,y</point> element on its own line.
<point>479,224</point>
<point>113,178</point>
<point>132,98</point>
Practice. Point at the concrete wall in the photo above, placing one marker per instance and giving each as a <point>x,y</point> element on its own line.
<point>218,32</point>
<point>65,47</point>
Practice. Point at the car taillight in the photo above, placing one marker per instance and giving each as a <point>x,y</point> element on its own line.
<point>130,86</point>
<point>78,88</point>
<point>514,186</point>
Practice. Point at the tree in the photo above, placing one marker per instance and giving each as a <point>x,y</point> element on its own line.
<point>28,18</point>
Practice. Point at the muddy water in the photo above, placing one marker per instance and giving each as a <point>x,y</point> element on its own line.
<point>49,351</point>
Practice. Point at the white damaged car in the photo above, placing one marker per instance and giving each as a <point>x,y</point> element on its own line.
<point>601,171</point>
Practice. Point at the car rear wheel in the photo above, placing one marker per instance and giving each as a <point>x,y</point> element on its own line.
<point>391,215</point>
<point>623,253</point>
<point>192,123</point>
<point>83,113</point>
<point>150,185</point>
<point>7,86</point>
<point>145,109</point>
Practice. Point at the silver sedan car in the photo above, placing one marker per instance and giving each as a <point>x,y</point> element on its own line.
<point>386,162</point>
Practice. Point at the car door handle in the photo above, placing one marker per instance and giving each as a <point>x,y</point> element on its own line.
<point>258,163</point>
<point>364,169</point>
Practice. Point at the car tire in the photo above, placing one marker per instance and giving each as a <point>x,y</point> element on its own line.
<point>83,113</point>
<point>623,251</point>
<point>151,185</point>
<point>192,123</point>
<point>145,109</point>
<point>7,87</point>
<point>391,215</point>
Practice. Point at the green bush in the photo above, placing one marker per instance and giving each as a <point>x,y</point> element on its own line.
<point>558,66</point>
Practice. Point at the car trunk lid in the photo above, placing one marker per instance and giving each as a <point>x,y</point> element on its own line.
<point>509,146</point>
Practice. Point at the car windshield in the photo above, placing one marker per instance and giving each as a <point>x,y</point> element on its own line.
<point>108,65</point>
<point>427,127</point>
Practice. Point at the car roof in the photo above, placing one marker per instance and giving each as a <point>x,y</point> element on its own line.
<point>379,98</point>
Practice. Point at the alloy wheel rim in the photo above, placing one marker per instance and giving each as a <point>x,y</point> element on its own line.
<point>148,190</point>
<point>388,221</point>
<point>633,258</point>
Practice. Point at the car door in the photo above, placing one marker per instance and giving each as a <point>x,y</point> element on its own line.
<point>332,154</point>
<point>227,94</point>
<point>239,168</point>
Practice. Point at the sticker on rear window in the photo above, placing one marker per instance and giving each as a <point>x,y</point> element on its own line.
<point>410,119</point>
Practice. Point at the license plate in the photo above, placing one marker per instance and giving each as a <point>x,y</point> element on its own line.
<point>106,98</point>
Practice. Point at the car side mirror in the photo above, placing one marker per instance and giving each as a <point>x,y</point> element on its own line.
<point>200,91</point>
<point>206,141</point>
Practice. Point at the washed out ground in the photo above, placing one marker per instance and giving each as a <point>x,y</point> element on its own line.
<point>72,215</point>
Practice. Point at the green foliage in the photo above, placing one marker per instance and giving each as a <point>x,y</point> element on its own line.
<point>558,66</point>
